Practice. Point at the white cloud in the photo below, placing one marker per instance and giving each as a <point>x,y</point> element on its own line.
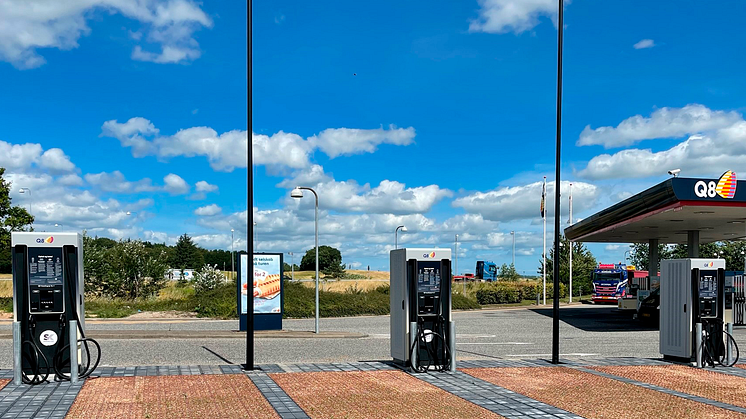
<point>29,25</point>
<point>708,154</point>
<point>19,156</point>
<point>203,186</point>
<point>523,202</point>
<point>340,141</point>
<point>175,185</point>
<point>229,150</point>
<point>208,211</point>
<point>282,148</point>
<point>614,247</point>
<point>645,43</point>
<point>56,161</point>
<point>501,16</point>
<point>70,180</point>
<point>663,123</point>
<point>348,196</point>
<point>116,182</point>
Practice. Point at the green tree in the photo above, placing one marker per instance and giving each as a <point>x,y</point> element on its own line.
<point>508,273</point>
<point>126,270</point>
<point>207,278</point>
<point>12,218</point>
<point>330,261</point>
<point>638,255</point>
<point>583,264</point>
<point>186,254</point>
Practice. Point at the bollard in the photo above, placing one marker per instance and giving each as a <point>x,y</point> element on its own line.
<point>537,299</point>
<point>412,338</point>
<point>698,343</point>
<point>728,345</point>
<point>73,352</point>
<point>17,379</point>
<point>452,344</point>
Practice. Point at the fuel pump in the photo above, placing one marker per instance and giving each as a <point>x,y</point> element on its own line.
<point>692,293</point>
<point>47,296</point>
<point>422,333</point>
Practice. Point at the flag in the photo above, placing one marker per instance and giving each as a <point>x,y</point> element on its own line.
<point>543,194</point>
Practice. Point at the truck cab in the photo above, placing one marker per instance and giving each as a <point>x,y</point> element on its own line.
<point>486,270</point>
<point>609,283</point>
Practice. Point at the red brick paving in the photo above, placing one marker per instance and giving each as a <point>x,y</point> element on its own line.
<point>187,396</point>
<point>699,382</point>
<point>4,383</point>
<point>593,397</point>
<point>374,394</point>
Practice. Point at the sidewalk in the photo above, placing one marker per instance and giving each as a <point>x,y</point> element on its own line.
<point>588,388</point>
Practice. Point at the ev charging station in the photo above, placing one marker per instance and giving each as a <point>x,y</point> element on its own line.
<point>48,308</point>
<point>693,312</point>
<point>422,331</point>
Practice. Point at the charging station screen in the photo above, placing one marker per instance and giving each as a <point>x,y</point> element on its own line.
<point>708,287</point>
<point>45,266</point>
<point>428,276</point>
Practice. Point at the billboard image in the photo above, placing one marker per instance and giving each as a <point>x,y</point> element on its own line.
<point>266,283</point>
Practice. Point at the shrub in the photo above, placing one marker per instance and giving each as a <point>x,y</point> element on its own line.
<point>461,302</point>
<point>207,278</point>
<point>219,302</point>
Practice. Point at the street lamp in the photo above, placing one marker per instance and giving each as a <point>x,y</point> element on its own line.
<point>396,238</point>
<point>626,252</point>
<point>256,243</point>
<point>24,190</point>
<point>292,266</point>
<point>512,233</point>
<point>298,193</point>
<point>62,228</point>
<point>233,272</point>
<point>463,280</point>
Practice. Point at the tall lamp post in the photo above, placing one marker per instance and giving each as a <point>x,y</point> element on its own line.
<point>24,190</point>
<point>396,237</point>
<point>233,272</point>
<point>463,280</point>
<point>298,193</point>
<point>512,233</point>
<point>62,228</point>
<point>292,266</point>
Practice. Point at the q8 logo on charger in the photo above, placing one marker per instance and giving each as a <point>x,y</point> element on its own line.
<point>725,187</point>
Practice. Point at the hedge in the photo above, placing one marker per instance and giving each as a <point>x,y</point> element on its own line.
<point>513,292</point>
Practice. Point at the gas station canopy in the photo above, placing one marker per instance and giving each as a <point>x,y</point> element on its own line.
<point>674,211</point>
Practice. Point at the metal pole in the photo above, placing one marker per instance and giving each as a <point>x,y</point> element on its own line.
<point>463,280</point>
<point>412,338</point>
<point>452,344</point>
<point>292,266</point>
<point>73,352</point>
<point>233,269</point>
<point>316,326</point>
<point>17,380</point>
<point>557,183</point>
<point>728,346</point>
<point>544,255</point>
<point>570,242</point>
<point>698,343</point>
<point>250,197</point>
<point>513,234</point>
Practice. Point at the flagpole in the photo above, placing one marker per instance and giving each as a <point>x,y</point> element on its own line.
<point>544,216</point>
<point>570,242</point>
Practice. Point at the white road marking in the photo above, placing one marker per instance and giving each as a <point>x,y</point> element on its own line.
<point>538,355</point>
<point>494,343</point>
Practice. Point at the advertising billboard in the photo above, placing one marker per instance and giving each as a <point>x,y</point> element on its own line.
<point>266,284</point>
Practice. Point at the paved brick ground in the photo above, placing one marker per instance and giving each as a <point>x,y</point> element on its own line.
<point>3,383</point>
<point>700,382</point>
<point>49,400</point>
<point>592,396</point>
<point>374,394</point>
<point>205,396</point>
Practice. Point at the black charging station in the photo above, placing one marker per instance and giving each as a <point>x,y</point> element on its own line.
<point>420,295</point>
<point>47,295</point>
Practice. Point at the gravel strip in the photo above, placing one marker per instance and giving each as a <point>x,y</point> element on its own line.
<point>205,396</point>
<point>591,396</point>
<point>374,394</point>
<point>700,382</point>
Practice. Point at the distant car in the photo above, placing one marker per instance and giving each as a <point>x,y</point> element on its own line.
<point>649,311</point>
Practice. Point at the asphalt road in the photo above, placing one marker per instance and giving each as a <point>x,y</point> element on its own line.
<point>585,331</point>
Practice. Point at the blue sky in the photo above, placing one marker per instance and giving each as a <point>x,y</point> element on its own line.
<point>437,115</point>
